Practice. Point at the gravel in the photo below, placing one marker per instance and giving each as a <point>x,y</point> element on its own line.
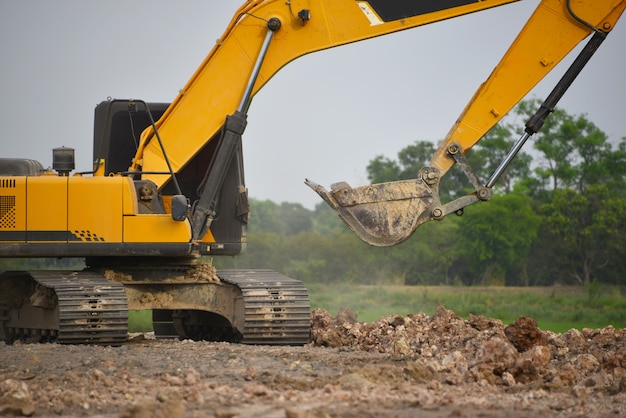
<point>418,365</point>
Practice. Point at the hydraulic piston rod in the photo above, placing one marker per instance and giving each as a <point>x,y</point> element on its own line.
<point>536,121</point>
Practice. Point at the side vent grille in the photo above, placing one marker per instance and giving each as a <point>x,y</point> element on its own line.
<point>7,211</point>
<point>7,183</point>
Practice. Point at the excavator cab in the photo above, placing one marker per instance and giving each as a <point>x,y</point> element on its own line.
<point>117,127</point>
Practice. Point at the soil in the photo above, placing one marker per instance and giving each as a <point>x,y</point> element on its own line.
<point>418,365</point>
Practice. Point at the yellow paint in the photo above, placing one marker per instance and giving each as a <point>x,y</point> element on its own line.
<point>129,197</point>
<point>155,228</point>
<point>46,206</point>
<point>94,208</point>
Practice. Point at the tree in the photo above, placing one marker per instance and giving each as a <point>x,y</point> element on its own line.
<point>487,155</point>
<point>556,149</point>
<point>590,227</point>
<point>286,218</point>
<point>495,239</point>
<point>593,151</point>
<point>295,217</point>
<point>575,152</point>
<point>381,170</point>
<point>427,257</point>
<point>616,166</point>
<point>265,217</point>
<point>410,160</point>
<point>414,157</point>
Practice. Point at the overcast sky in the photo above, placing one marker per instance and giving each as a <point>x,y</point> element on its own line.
<point>323,117</point>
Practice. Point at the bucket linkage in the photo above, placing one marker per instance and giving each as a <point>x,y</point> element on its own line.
<point>386,214</point>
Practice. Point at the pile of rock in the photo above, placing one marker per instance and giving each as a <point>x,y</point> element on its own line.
<point>484,350</point>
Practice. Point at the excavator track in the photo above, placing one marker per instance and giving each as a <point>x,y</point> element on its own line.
<point>67,307</point>
<point>244,306</point>
<point>277,308</point>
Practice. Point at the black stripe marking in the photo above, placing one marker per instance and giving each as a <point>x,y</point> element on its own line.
<point>390,10</point>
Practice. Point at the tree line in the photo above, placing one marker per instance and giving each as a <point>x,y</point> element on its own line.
<point>558,215</point>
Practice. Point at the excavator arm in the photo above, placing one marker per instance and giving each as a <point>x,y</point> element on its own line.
<point>388,213</point>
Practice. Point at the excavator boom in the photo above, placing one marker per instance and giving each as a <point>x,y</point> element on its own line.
<point>222,84</point>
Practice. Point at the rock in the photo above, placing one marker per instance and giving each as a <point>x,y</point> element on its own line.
<point>491,359</point>
<point>574,341</point>
<point>15,398</point>
<point>355,381</point>
<point>169,404</point>
<point>418,372</point>
<point>251,373</point>
<point>400,346</point>
<point>192,377</point>
<point>508,379</point>
<point>524,334</point>
<point>396,321</point>
<point>482,323</point>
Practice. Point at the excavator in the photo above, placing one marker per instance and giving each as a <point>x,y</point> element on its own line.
<point>167,187</point>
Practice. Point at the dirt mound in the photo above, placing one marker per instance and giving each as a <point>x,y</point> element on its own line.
<point>481,349</point>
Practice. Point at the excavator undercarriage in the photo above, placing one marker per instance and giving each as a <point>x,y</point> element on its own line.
<point>91,307</point>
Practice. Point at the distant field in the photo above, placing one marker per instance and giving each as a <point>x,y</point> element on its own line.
<point>556,308</point>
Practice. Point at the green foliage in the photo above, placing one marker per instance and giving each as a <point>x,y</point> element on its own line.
<point>286,218</point>
<point>590,229</point>
<point>498,235</point>
<point>491,150</point>
<point>557,308</point>
<point>382,170</point>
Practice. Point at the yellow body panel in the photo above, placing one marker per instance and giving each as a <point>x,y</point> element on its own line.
<point>95,208</point>
<point>129,197</point>
<point>81,209</point>
<point>155,228</point>
<point>217,87</point>
<point>46,206</point>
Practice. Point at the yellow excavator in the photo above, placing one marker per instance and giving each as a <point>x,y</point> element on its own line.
<point>168,187</point>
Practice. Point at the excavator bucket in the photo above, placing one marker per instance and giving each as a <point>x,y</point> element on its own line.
<point>382,214</point>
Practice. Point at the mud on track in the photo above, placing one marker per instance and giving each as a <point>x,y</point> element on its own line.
<point>418,365</point>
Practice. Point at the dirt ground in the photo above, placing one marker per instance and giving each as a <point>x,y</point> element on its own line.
<point>418,365</point>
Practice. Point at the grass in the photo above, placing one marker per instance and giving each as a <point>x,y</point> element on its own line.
<point>555,308</point>
<point>140,321</point>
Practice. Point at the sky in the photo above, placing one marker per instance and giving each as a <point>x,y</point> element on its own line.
<point>322,117</point>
